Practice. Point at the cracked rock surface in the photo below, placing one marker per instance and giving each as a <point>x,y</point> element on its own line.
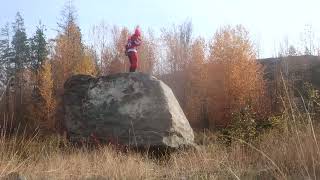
<point>131,109</point>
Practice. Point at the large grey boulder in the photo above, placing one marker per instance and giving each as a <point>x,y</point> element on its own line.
<point>131,109</point>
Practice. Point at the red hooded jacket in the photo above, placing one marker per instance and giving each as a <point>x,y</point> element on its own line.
<point>133,42</point>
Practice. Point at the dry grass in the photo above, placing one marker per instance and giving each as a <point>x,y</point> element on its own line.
<point>277,155</point>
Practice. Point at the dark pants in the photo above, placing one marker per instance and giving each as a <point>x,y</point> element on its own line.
<point>133,58</point>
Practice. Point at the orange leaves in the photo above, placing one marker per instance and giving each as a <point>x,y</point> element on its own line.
<point>86,65</point>
<point>46,106</point>
<point>196,89</point>
<point>70,56</point>
<point>243,85</point>
<point>147,54</point>
<point>113,58</point>
<point>211,86</point>
<point>43,106</point>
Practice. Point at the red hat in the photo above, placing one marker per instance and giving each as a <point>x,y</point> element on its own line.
<point>137,32</point>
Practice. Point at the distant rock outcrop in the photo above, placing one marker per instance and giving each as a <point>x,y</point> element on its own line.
<point>131,109</point>
<point>296,71</point>
<point>297,68</point>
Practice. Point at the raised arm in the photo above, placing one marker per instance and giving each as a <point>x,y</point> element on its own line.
<point>138,41</point>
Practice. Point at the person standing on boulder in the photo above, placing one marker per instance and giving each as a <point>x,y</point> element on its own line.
<point>131,49</point>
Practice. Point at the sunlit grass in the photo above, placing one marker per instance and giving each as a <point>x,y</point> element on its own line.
<point>275,155</point>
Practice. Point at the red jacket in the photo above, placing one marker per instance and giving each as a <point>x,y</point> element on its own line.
<point>133,42</point>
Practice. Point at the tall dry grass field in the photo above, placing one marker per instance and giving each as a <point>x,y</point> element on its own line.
<point>288,153</point>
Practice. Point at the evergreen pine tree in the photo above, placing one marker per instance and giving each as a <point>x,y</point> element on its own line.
<point>39,51</point>
<point>6,54</point>
<point>18,64</point>
<point>20,44</point>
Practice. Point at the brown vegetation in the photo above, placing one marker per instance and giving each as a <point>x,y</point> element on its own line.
<point>238,73</point>
<point>277,154</point>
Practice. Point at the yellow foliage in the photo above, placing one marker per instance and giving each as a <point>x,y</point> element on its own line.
<point>44,104</point>
<point>46,84</point>
<point>197,85</point>
<point>114,59</point>
<point>236,71</point>
<point>147,54</point>
<point>86,65</point>
<point>69,52</point>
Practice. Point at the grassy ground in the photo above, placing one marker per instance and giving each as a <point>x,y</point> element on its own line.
<point>278,154</point>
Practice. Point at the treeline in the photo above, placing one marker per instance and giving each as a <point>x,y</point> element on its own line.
<point>212,79</point>
<point>34,71</point>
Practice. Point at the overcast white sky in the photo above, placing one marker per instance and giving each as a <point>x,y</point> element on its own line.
<point>268,21</point>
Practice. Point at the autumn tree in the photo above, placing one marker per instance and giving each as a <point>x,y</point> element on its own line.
<point>46,92</point>
<point>43,108</point>
<point>196,108</point>
<point>109,46</point>
<point>70,57</point>
<point>112,52</point>
<point>86,64</point>
<point>147,53</point>
<point>116,50</point>
<point>99,43</point>
<point>68,49</point>
<point>236,77</point>
<point>177,44</point>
